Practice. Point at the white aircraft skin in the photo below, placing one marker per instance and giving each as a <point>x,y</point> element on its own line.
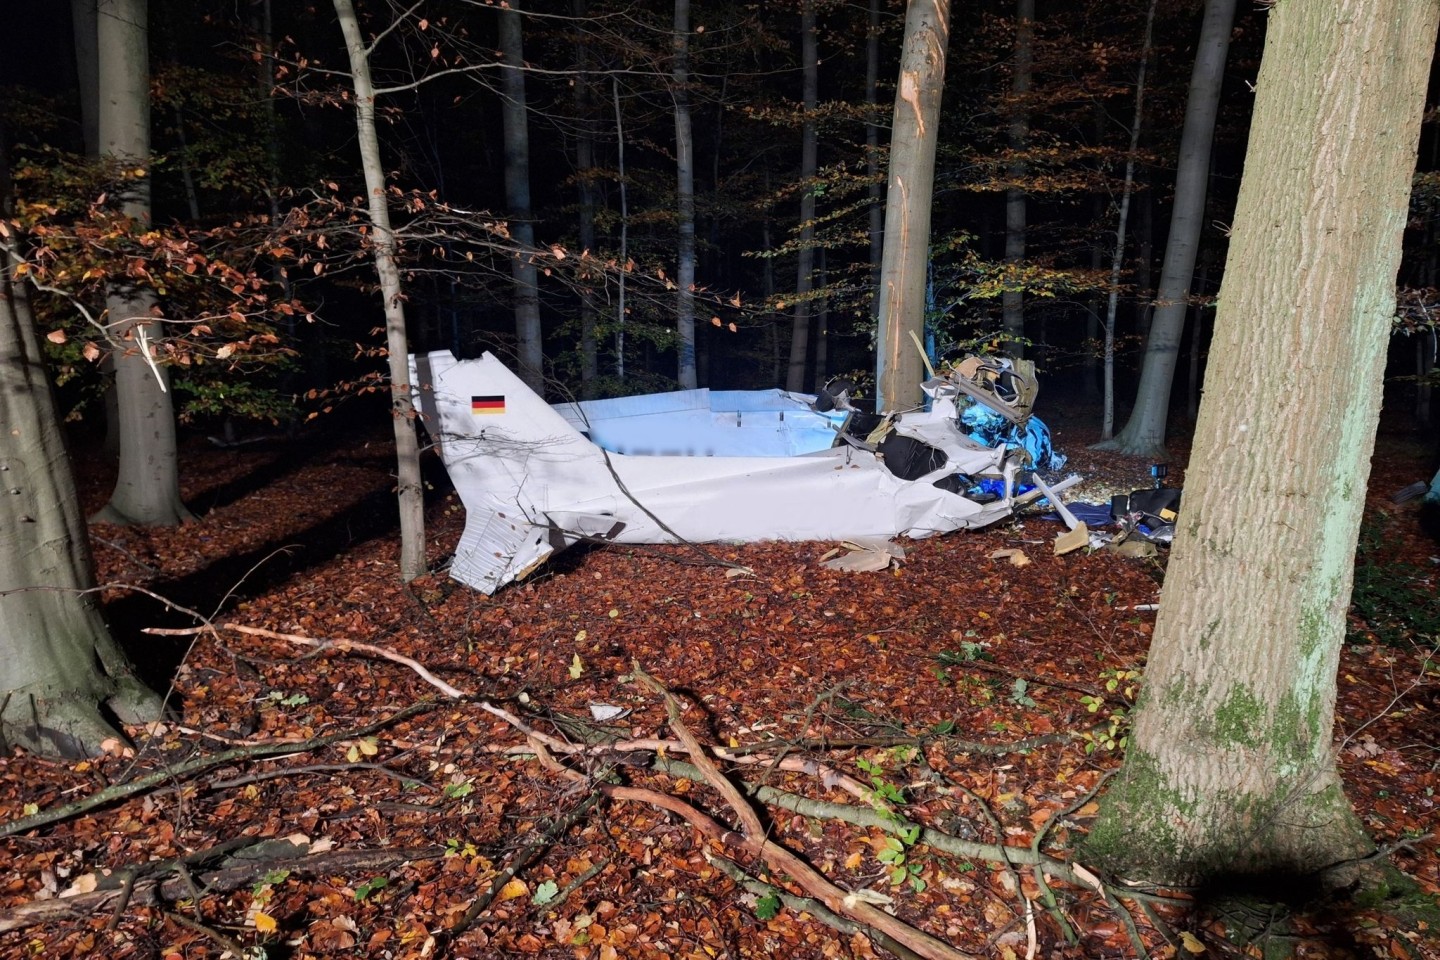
<point>531,483</point>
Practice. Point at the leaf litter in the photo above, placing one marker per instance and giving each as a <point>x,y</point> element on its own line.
<point>957,693</point>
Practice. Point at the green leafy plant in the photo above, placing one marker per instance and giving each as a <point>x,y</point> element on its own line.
<point>767,907</point>
<point>370,886</point>
<point>545,893</point>
<point>1113,733</point>
<point>895,854</point>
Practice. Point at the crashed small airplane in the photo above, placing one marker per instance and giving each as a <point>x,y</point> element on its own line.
<point>707,466</point>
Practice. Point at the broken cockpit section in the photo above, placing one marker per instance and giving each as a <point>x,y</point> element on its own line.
<point>707,466</point>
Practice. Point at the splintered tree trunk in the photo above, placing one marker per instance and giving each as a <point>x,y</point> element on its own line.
<point>805,256</point>
<point>529,343</point>
<point>914,131</point>
<point>147,489</point>
<point>60,670</point>
<point>684,198</point>
<point>1231,766</point>
<point>1144,433</point>
<point>410,493</point>
<point>1012,302</point>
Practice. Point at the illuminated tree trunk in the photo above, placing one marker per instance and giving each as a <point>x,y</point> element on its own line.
<point>1012,302</point>
<point>914,131</point>
<point>409,491</point>
<point>529,341</point>
<point>1231,765</point>
<point>60,670</point>
<point>805,256</point>
<point>147,489</point>
<point>872,156</point>
<point>684,198</point>
<point>1144,433</point>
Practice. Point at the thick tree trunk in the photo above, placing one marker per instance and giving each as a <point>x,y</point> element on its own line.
<point>684,199</point>
<point>529,340</point>
<point>1144,433</point>
<point>805,256</point>
<point>1012,302</point>
<point>60,670</point>
<point>147,489</point>
<point>409,492</point>
<point>1231,765</point>
<point>914,132</point>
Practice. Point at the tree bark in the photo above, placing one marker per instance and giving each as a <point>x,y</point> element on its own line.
<point>1117,263</point>
<point>684,198</point>
<point>409,490</point>
<point>914,131</point>
<point>1231,765</point>
<point>529,340</point>
<point>58,662</point>
<point>1144,433</point>
<point>872,156</point>
<point>805,255</point>
<point>1012,302</point>
<point>585,184</point>
<point>147,489</point>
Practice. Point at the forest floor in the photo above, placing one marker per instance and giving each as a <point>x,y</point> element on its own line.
<point>334,802</point>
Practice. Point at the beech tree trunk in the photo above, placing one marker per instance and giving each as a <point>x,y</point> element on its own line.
<point>1231,766</point>
<point>684,199</point>
<point>1144,433</point>
<point>805,256</point>
<point>60,670</point>
<point>410,493</point>
<point>1012,302</point>
<point>914,131</point>
<point>529,341</point>
<point>147,489</point>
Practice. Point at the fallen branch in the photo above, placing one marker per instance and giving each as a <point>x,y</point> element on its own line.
<point>781,859</point>
<point>262,751</point>
<point>808,905</point>
<point>161,887</point>
<point>528,854</point>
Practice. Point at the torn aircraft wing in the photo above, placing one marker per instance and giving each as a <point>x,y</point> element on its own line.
<point>532,483</point>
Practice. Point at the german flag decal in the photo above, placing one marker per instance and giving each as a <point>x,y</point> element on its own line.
<point>487,405</point>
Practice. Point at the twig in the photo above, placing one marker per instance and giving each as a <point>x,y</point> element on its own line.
<point>809,905</point>
<point>527,855</point>
<point>233,946</point>
<point>261,751</point>
<point>322,645</point>
<point>782,859</point>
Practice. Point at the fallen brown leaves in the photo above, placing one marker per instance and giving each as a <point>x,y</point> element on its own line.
<point>944,694</point>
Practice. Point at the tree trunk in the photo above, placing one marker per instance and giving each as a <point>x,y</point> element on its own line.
<point>58,662</point>
<point>684,198</point>
<point>529,341</point>
<point>872,156</point>
<point>85,27</point>
<point>1144,433</point>
<point>1012,302</point>
<point>1231,766</point>
<point>1107,423</point>
<point>624,233</point>
<point>914,131</point>
<point>409,492</point>
<point>585,183</point>
<point>147,489</point>
<point>805,256</point>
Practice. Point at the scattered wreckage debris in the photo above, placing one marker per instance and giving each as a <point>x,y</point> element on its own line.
<point>864,555</point>
<point>1142,521</point>
<point>704,466</point>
